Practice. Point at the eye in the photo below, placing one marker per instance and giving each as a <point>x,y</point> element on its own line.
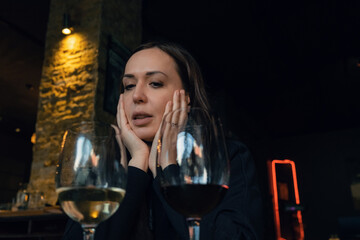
<point>129,87</point>
<point>156,84</point>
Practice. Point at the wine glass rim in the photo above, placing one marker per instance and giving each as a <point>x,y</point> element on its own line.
<point>89,126</point>
<point>191,108</point>
<point>211,115</point>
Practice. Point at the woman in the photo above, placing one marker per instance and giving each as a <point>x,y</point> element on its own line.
<point>160,77</point>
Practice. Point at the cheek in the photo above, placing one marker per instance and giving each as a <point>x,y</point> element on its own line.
<point>163,101</point>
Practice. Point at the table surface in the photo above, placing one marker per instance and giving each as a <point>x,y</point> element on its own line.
<point>47,211</point>
<point>46,223</point>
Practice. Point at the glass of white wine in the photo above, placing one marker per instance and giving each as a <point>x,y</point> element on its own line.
<point>91,174</point>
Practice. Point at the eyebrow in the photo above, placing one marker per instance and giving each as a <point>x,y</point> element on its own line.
<point>146,74</point>
<point>155,72</point>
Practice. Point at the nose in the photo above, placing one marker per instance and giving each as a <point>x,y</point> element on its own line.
<point>139,95</point>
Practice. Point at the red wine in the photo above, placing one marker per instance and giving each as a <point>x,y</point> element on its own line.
<point>193,200</point>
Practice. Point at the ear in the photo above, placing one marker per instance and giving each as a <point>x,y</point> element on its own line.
<point>188,99</point>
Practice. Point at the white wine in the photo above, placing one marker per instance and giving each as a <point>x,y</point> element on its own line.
<point>90,205</point>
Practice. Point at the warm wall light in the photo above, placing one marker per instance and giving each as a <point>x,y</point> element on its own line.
<point>66,28</point>
<point>33,138</point>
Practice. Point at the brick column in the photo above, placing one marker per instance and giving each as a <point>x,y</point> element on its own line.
<point>72,87</point>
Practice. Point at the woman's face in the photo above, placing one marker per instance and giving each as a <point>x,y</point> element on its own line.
<point>149,81</point>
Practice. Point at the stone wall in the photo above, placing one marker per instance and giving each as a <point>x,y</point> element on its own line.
<point>74,74</point>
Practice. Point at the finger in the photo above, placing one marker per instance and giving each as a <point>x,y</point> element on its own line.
<point>179,115</point>
<point>166,117</point>
<point>176,100</point>
<point>168,146</point>
<point>116,129</point>
<point>117,133</point>
<point>167,113</point>
<point>166,132</point>
<point>183,116</point>
<point>118,111</point>
<point>168,108</point>
<point>123,158</point>
<point>183,99</point>
<point>176,105</point>
<point>122,116</point>
<point>154,147</point>
<point>183,112</point>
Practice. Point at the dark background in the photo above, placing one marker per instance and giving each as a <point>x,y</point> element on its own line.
<point>289,66</point>
<point>283,75</point>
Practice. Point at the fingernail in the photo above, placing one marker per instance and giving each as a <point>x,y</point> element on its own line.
<point>182,91</point>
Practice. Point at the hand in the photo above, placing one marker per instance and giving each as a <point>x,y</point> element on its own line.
<point>123,158</point>
<point>138,149</point>
<point>180,101</point>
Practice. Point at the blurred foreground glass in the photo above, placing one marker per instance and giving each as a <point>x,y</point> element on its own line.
<point>193,165</point>
<point>22,197</point>
<point>91,174</point>
<point>36,200</point>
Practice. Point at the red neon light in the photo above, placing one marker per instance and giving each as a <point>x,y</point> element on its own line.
<point>274,190</point>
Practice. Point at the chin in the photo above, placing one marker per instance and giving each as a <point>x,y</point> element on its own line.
<point>146,136</point>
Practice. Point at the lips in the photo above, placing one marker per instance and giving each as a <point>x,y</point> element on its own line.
<point>141,118</point>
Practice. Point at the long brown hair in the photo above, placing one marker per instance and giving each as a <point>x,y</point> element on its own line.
<point>187,68</point>
<point>193,83</point>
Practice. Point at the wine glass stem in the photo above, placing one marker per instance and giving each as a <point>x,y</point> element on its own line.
<point>89,233</point>
<point>194,229</point>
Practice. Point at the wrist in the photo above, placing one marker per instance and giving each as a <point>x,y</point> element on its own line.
<point>139,162</point>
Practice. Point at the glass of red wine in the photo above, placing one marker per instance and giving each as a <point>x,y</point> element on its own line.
<point>192,164</point>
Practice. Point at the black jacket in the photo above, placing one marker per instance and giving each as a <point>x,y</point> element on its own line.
<point>144,214</point>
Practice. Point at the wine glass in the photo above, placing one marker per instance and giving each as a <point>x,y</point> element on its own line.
<point>192,164</point>
<point>91,174</point>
